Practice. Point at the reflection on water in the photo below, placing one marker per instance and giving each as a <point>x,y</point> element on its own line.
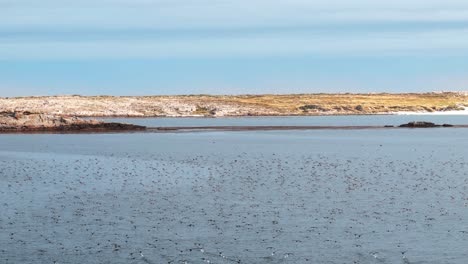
<point>387,196</point>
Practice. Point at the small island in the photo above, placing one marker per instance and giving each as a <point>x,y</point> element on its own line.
<point>241,105</point>
<point>11,122</point>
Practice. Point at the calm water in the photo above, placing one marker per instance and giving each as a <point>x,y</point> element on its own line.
<point>295,120</point>
<point>332,196</point>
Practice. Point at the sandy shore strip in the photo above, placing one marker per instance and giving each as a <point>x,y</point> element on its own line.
<point>442,113</point>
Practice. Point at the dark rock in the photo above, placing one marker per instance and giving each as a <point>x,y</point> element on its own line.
<point>422,124</point>
<point>447,125</point>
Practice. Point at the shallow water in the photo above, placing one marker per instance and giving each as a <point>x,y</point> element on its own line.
<point>332,196</point>
<point>363,120</point>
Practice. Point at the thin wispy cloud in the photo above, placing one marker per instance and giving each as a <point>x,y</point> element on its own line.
<point>442,42</point>
<point>245,30</point>
<point>220,14</point>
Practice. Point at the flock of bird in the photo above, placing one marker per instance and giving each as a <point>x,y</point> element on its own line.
<point>288,203</point>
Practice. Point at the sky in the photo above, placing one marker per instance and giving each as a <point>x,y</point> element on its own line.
<point>158,47</point>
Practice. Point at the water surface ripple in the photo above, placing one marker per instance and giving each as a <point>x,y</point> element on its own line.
<point>387,196</point>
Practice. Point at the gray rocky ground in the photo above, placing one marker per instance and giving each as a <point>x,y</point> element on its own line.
<point>26,121</point>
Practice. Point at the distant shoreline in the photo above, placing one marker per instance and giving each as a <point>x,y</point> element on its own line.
<point>241,105</point>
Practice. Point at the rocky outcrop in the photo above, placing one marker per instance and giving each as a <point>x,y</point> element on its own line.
<point>30,122</point>
<point>423,124</point>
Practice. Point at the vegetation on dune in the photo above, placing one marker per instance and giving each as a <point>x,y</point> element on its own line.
<point>204,111</point>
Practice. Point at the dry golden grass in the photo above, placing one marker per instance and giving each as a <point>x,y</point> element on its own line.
<point>344,103</point>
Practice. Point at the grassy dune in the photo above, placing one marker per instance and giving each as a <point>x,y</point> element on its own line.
<point>237,105</point>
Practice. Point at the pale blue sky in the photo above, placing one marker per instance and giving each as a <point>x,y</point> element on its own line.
<point>136,47</point>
